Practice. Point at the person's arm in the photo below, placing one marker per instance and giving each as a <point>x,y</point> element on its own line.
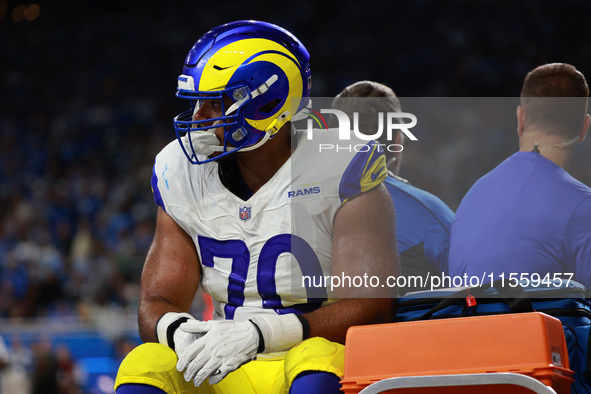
<point>170,277</point>
<point>364,244</point>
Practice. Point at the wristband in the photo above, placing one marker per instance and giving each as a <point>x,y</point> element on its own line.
<point>167,325</point>
<point>305,326</point>
<point>261,347</point>
<point>279,332</point>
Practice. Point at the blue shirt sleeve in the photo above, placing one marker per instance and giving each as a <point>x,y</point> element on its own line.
<point>578,243</point>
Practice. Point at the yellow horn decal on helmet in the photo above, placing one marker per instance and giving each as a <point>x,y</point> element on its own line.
<point>295,87</point>
<point>226,60</point>
<point>235,54</point>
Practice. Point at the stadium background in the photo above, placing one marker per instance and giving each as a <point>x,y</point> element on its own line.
<point>87,98</point>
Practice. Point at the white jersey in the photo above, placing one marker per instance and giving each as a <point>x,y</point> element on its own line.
<point>254,253</point>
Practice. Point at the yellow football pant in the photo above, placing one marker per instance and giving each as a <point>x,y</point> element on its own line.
<point>155,364</point>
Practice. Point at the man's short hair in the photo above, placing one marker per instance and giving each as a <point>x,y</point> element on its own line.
<point>382,99</point>
<point>554,97</point>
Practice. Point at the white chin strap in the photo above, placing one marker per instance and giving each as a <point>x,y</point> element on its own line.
<point>257,92</point>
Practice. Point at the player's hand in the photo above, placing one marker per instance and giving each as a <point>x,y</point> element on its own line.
<point>223,348</point>
<point>169,334</point>
<point>183,340</point>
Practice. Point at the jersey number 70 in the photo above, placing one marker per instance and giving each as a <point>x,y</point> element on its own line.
<point>238,251</point>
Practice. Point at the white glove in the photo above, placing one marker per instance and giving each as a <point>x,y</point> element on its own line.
<point>183,340</point>
<point>225,346</point>
<point>167,332</point>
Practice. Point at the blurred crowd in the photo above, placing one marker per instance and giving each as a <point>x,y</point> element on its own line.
<point>88,99</point>
<point>39,369</point>
<point>47,367</point>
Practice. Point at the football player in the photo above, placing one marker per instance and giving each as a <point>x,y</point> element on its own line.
<point>247,208</point>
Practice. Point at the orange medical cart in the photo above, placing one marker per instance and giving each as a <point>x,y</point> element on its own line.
<point>510,353</point>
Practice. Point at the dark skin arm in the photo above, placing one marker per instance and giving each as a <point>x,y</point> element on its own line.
<point>170,277</point>
<point>363,243</point>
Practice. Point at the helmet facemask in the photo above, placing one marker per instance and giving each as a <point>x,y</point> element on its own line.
<point>197,137</point>
<point>256,72</point>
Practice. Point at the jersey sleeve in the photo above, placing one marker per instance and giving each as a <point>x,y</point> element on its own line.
<point>156,189</point>
<point>170,177</point>
<point>366,170</point>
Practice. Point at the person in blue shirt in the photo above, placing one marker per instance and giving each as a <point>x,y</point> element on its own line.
<point>422,220</point>
<point>529,217</point>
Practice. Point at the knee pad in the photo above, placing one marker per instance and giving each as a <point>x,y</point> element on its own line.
<point>314,354</point>
<point>152,364</point>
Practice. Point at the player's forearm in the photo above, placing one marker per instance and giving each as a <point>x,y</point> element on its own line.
<point>150,309</point>
<point>332,321</point>
<point>170,277</point>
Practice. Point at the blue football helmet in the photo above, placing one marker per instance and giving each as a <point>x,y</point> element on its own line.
<point>261,70</point>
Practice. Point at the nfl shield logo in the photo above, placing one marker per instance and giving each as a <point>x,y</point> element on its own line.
<point>245,213</point>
